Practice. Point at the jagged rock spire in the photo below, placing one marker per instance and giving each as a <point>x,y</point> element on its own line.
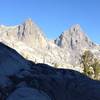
<point>74,38</point>
<point>76,28</point>
<point>30,33</point>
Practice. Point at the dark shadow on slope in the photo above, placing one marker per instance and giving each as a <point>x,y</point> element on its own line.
<point>58,84</point>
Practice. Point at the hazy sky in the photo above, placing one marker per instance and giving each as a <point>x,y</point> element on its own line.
<point>54,16</point>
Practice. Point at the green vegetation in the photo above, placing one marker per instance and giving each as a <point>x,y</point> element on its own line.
<point>56,65</point>
<point>91,65</point>
<point>96,68</point>
<point>87,60</point>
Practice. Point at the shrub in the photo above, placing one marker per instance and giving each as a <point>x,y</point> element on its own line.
<point>90,62</point>
<point>87,58</point>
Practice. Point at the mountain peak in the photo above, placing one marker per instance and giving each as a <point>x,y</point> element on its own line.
<point>76,28</point>
<point>28,21</point>
<point>74,38</point>
<point>31,34</point>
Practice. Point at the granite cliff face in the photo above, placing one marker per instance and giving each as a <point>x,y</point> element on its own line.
<point>65,51</point>
<point>74,38</point>
<point>31,34</point>
<point>21,79</point>
<point>28,33</point>
<point>75,42</point>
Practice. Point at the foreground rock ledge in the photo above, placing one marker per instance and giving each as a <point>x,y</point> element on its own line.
<point>21,79</point>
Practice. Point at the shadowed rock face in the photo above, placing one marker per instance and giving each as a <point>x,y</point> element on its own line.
<point>31,94</point>
<point>21,79</point>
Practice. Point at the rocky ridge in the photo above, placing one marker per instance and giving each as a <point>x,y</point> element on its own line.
<point>29,40</point>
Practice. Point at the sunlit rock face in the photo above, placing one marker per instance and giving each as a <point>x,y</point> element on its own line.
<point>74,38</point>
<point>75,42</point>
<point>21,79</point>
<point>28,32</point>
<point>31,34</point>
<point>63,52</point>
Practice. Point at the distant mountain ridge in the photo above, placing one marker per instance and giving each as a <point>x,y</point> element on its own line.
<point>65,51</point>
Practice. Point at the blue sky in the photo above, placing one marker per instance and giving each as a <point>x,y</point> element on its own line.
<point>54,16</point>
